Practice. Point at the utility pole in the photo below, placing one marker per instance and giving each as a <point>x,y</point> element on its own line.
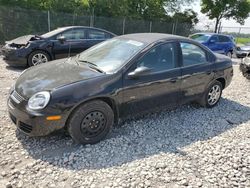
<point>48,20</point>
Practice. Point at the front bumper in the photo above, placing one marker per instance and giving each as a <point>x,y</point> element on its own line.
<point>14,57</point>
<point>32,124</point>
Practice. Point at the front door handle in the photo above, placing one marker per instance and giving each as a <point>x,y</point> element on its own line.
<point>208,72</point>
<point>186,76</point>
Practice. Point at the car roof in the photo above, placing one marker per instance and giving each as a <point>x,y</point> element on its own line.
<point>150,37</point>
<point>85,27</point>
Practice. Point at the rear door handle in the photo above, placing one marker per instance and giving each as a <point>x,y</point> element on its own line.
<point>173,80</point>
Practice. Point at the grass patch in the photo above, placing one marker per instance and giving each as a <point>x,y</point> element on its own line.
<point>242,41</point>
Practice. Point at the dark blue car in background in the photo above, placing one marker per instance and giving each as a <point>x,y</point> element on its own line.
<point>60,43</point>
<point>219,43</point>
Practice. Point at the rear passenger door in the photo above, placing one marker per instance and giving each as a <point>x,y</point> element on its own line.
<point>196,71</point>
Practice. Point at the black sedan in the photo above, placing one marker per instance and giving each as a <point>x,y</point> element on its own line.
<point>126,75</point>
<point>33,50</point>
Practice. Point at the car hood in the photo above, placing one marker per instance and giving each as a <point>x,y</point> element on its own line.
<point>22,41</point>
<point>51,75</point>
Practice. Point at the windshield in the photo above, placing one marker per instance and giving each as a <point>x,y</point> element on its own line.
<point>112,54</point>
<point>200,37</point>
<point>52,33</point>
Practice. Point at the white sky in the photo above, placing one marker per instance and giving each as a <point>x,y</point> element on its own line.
<point>203,21</point>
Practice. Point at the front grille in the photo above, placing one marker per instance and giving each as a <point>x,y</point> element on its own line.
<point>25,127</point>
<point>16,97</point>
<point>13,118</point>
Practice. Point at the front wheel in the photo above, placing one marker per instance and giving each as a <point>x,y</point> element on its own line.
<point>91,122</point>
<point>212,95</point>
<point>38,57</point>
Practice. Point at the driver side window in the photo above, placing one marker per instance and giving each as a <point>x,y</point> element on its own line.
<point>214,39</point>
<point>160,58</point>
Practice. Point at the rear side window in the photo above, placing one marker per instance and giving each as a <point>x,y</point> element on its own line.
<point>95,34</point>
<point>192,54</point>
<point>224,39</point>
<point>200,37</point>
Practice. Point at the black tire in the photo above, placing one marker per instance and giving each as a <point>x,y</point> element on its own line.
<point>205,98</point>
<point>91,122</point>
<point>36,53</point>
<point>246,75</point>
<point>245,71</point>
<point>229,54</point>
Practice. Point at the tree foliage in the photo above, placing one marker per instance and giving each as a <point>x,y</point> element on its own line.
<point>219,9</point>
<point>136,9</point>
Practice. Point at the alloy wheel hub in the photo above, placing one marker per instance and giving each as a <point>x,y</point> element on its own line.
<point>39,59</point>
<point>214,94</point>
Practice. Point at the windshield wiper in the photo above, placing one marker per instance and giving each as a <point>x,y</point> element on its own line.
<point>91,65</point>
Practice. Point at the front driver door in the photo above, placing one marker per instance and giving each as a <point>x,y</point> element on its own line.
<point>159,87</point>
<point>74,43</point>
<point>214,44</point>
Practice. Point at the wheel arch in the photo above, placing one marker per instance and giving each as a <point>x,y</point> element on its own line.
<point>222,81</point>
<point>37,49</point>
<point>111,102</point>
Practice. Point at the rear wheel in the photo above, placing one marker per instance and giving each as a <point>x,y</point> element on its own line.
<point>91,122</point>
<point>38,57</point>
<point>212,95</point>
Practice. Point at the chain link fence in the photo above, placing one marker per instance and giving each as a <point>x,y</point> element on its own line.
<point>15,22</point>
<point>241,34</point>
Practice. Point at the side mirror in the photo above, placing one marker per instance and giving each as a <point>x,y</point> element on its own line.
<point>212,41</point>
<point>139,71</point>
<point>62,39</point>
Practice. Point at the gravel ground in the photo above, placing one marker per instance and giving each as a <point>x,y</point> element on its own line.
<point>186,147</point>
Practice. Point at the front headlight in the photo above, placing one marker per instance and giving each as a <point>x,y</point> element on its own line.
<point>39,100</point>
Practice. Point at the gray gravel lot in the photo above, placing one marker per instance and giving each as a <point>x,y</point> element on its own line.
<point>186,147</point>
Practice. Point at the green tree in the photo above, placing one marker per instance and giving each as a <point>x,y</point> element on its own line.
<point>143,9</point>
<point>69,6</point>
<point>137,9</point>
<point>188,16</point>
<point>219,9</point>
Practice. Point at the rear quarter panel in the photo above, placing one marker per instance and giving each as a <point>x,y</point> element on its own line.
<point>223,68</point>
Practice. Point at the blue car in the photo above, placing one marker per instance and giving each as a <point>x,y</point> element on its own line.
<point>222,44</point>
